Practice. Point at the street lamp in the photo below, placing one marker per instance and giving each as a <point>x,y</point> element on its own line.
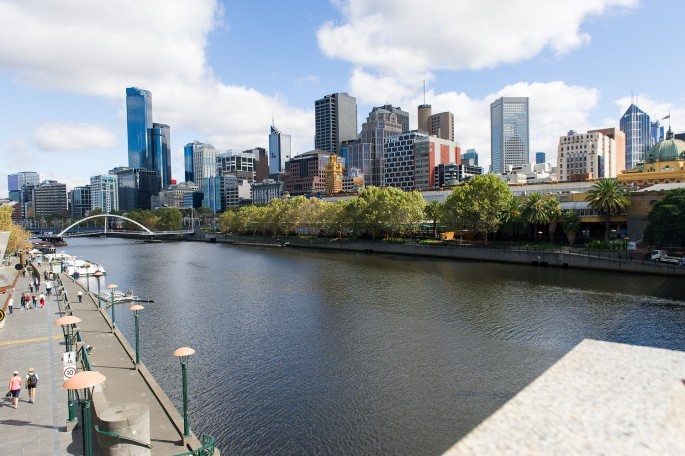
<point>136,308</point>
<point>98,274</point>
<point>539,235</point>
<point>85,381</point>
<point>112,287</point>
<point>68,322</point>
<point>625,243</point>
<point>183,354</point>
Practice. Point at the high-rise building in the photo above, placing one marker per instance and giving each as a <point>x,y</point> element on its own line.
<point>620,139</point>
<point>19,188</point>
<point>138,124</point>
<point>470,157</point>
<point>367,153</point>
<point>424,113</point>
<point>586,156</point>
<point>540,157</point>
<point>279,150</point>
<point>104,193</point>
<point>230,162</point>
<point>161,153</point>
<point>510,139</point>
<point>306,173</point>
<point>188,169</point>
<point>635,125</point>
<point>136,187</point>
<point>50,198</point>
<point>430,152</point>
<point>335,121</point>
<point>203,158</point>
<point>402,116</point>
<point>399,160</point>
<point>440,124</point>
<point>656,132</point>
<point>79,201</point>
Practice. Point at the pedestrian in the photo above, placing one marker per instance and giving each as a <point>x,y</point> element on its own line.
<point>48,287</point>
<point>79,295</point>
<point>31,384</point>
<point>34,300</point>
<point>42,300</point>
<point>10,304</point>
<point>45,275</point>
<point>31,287</point>
<point>15,388</point>
<point>27,300</point>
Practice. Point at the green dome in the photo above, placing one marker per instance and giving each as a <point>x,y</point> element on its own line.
<point>667,150</point>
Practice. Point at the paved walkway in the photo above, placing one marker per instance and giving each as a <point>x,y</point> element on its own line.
<point>30,339</point>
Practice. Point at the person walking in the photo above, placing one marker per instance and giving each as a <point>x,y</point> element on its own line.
<point>34,300</point>
<point>48,287</point>
<point>10,304</point>
<point>79,295</point>
<point>41,299</point>
<point>31,384</point>
<point>31,287</point>
<point>14,387</point>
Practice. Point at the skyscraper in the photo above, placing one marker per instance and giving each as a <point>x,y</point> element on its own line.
<point>138,124</point>
<point>509,138</point>
<point>636,126</point>
<point>335,121</point>
<point>470,157</point>
<point>279,150</point>
<point>189,173</point>
<point>440,124</point>
<point>380,124</point>
<point>203,157</point>
<point>540,157</point>
<point>104,193</point>
<point>161,154</point>
<point>402,116</point>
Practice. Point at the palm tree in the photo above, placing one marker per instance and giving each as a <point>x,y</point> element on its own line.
<point>433,211</point>
<point>571,225</point>
<point>535,211</point>
<point>554,209</point>
<point>512,222</point>
<point>609,197</point>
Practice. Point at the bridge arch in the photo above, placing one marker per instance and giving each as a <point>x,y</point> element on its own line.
<point>105,216</point>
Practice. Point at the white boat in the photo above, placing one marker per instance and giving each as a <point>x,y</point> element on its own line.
<point>82,268</point>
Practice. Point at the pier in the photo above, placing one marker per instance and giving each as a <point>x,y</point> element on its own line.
<point>30,338</point>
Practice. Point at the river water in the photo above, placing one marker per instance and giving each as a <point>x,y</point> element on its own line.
<point>313,352</point>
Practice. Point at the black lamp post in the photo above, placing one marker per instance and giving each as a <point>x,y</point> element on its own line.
<point>86,380</point>
<point>68,322</point>
<point>112,287</point>
<point>136,308</point>
<point>97,275</point>
<point>183,354</point>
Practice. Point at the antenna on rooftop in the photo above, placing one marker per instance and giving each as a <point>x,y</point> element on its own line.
<point>424,91</point>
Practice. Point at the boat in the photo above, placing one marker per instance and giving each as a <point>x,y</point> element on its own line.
<point>82,268</point>
<point>119,297</point>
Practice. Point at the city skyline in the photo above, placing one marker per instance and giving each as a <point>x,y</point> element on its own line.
<point>213,80</point>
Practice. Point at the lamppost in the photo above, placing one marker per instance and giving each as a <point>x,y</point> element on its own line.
<point>86,380</point>
<point>136,308</point>
<point>68,322</point>
<point>97,275</point>
<point>112,287</point>
<point>539,235</point>
<point>625,243</point>
<point>183,354</point>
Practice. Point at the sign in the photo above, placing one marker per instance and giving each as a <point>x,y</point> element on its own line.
<point>2,314</point>
<point>69,364</point>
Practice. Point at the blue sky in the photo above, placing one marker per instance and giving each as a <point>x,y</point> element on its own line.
<point>221,71</point>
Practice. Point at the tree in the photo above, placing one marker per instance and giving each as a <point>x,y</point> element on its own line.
<point>433,211</point>
<point>478,205</point>
<point>666,221</point>
<point>609,197</point>
<point>170,219</point>
<point>555,213</point>
<point>512,220</point>
<point>535,211</point>
<point>571,225</point>
<point>19,238</point>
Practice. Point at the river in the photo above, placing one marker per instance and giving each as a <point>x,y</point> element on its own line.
<point>314,352</point>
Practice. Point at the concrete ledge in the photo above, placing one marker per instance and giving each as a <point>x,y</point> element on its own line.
<point>601,398</point>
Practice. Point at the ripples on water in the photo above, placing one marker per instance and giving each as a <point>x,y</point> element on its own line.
<point>305,352</point>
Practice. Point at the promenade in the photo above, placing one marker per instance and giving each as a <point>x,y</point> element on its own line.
<point>30,339</point>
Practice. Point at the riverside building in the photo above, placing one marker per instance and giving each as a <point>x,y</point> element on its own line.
<point>636,126</point>
<point>335,121</point>
<point>586,156</point>
<point>509,133</point>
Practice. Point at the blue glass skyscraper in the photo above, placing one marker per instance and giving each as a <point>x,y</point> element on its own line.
<point>138,124</point>
<point>189,169</point>
<point>636,126</point>
<point>279,150</point>
<point>509,138</point>
<point>161,154</point>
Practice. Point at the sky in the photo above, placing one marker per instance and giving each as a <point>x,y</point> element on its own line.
<point>223,71</point>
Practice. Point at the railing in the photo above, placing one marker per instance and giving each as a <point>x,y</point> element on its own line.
<point>122,437</point>
<point>207,448</point>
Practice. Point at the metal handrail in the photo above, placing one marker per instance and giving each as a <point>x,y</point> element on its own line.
<point>85,359</point>
<point>123,437</point>
<point>207,448</point>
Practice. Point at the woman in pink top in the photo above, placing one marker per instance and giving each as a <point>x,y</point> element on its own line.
<point>15,387</point>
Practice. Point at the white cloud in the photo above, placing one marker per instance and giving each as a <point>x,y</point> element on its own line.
<point>72,137</point>
<point>400,37</point>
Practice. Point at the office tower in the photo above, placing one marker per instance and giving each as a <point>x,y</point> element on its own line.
<point>136,187</point>
<point>402,116</point>
<point>266,190</point>
<point>367,153</point>
<point>656,132</point>
<point>428,153</point>
<point>261,166</point>
<point>620,139</point>
<point>279,151</point>
<point>189,173</point>
<point>635,125</point>
<point>230,162</point>
<point>138,124</point>
<point>335,121</point>
<point>49,198</point>
<point>161,153</point>
<point>203,162</point>
<point>306,173</point>
<point>509,138</point>
<point>586,156</point>
<point>399,160</point>
<point>182,195</point>
<point>424,113</point>
<point>440,125</point>
<point>79,201</point>
<point>19,188</point>
<point>470,157</point>
<point>540,157</point>
<point>104,193</point>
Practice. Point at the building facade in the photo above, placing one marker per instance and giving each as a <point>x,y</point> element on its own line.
<point>509,133</point>
<point>19,187</point>
<point>306,173</point>
<point>540,157</point>
<point>279,150</point>
<point>79,201</point>
<point>138,125</point>
<point>402,116</point>
<point>104,193</point>
<point>161,153</point>
<point>440,124</point>
<point>586,156</point>
<point>470,157</point>
<point>399,160</point>
<point>450,174</point>
<point>136,187</point>
<point>335,121</point>
<point>380,124</point>
<point>50,198</point>
<point>203,157</point>
<point>266,190</point>
<point>664,164</point>
<point>429,152</point>
<point>635,124</point>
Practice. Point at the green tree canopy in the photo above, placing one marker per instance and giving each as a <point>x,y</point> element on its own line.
<point>608,197</point>
<point>433,211</point>
<point>170,219</point>
<point>478,205</point>
<point>666,221</point>
<point>19,238</point>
